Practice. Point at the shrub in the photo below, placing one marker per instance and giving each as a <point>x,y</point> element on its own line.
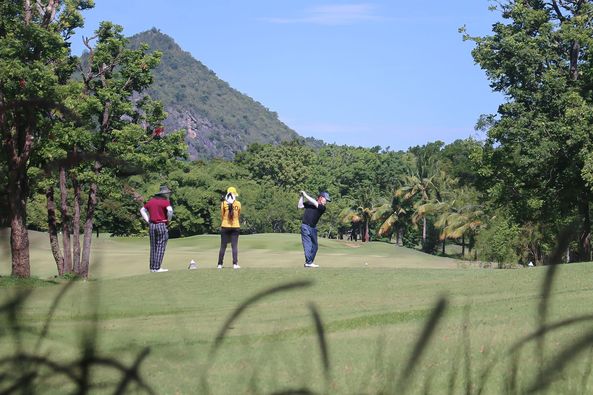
<point>499,242</point>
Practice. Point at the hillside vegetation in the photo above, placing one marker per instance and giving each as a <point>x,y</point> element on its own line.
<point>219,120</point>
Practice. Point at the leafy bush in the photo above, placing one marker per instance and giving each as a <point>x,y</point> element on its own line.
<point>500,242</point>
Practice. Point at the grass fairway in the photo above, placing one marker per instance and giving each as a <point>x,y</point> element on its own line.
<point>121,257</point>
<point>372,317</point>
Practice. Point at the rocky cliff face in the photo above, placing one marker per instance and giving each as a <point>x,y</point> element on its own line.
<point>218,120</point>
<point>201,135</point>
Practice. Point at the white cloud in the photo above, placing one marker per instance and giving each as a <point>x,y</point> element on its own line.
<point>333,14</point>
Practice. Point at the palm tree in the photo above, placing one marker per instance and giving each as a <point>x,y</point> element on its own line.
<point>433,208</point>
<point>416,187</point>
<point>436,194</point>
<point>360,213</point>
<point>462,217</point>
<point>421,188</point>
<point>391,215</point>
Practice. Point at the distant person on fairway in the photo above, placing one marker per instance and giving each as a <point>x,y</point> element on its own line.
<point>157,212</point>
<point>230,210</point>
<point>314,209</point>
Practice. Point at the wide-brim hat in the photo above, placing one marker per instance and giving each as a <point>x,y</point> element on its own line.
<point>164,191</point>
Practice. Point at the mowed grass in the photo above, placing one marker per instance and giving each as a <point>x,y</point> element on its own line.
<point>128,256</point>
<point>373,316</point>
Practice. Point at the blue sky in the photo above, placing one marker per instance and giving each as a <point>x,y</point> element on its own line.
<point>388,73</point>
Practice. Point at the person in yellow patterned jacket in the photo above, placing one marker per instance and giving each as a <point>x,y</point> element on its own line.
<point>230,209</point>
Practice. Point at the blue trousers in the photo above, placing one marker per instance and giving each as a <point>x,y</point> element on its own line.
<point>310,245</point>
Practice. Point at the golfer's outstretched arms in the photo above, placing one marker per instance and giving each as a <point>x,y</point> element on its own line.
<point>300,203</point>
<point>309,199</point>
<point>144,213</point>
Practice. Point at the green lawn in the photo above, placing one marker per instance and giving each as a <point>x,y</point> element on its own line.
<point>372,315</point>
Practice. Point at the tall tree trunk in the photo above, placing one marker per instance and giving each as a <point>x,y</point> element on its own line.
<point>76,226</point>
<point>19,237</point>
<point>66,221</point>
<point>574,60</point>
<point>585,236</point>
<point>423,231</point>
<point>88,225</point>
<point>463,246</point>
<point>28,12</point>
<point>367,237</point>
<point>17,143</point>
<point>444,241</point>
<point>53,230</point>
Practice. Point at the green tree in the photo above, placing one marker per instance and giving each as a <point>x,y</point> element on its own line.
<point>419,189</point>
<point>112,135</point>
<point>536,158</point>
<point>393,218</point>
<point>35,61</point>
<point>287,165</point>
<point>460,217</point>
<point>456,159</point>
<point>360,213</point>
<point>499,242</point>
<point>53,160</point>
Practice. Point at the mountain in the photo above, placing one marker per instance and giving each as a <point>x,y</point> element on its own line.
<point>219,121</point>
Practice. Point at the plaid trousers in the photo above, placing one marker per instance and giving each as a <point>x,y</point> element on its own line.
<point>159,235</point>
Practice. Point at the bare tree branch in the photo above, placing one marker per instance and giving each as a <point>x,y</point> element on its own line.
<point>558,11</point>
<point>28,13</point>
<point>40,8</point>
<point>127,84</point>
<point>50,12</point>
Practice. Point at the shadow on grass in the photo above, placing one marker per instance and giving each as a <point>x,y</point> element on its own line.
<point>31,282</point>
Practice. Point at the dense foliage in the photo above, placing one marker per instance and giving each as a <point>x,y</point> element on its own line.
<point>364,184</point>
<point>35,66</point>
<point>536,161</point>
<point>88,128</point>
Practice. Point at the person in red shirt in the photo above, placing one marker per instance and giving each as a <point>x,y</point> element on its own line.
<point>157,212</point>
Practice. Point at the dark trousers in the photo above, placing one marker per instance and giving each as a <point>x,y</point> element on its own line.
<point>159,235</point>
<point>226,235</point>
<point>309,239</point>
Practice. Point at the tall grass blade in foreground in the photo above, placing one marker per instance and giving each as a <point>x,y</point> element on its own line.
<point>421,344</point>
<point>559,362</point>
<point>29,372</point>
<point>322,342</point>
<point>235,316</point>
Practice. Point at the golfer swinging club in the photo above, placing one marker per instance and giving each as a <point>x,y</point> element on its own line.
<point>313,211</point>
